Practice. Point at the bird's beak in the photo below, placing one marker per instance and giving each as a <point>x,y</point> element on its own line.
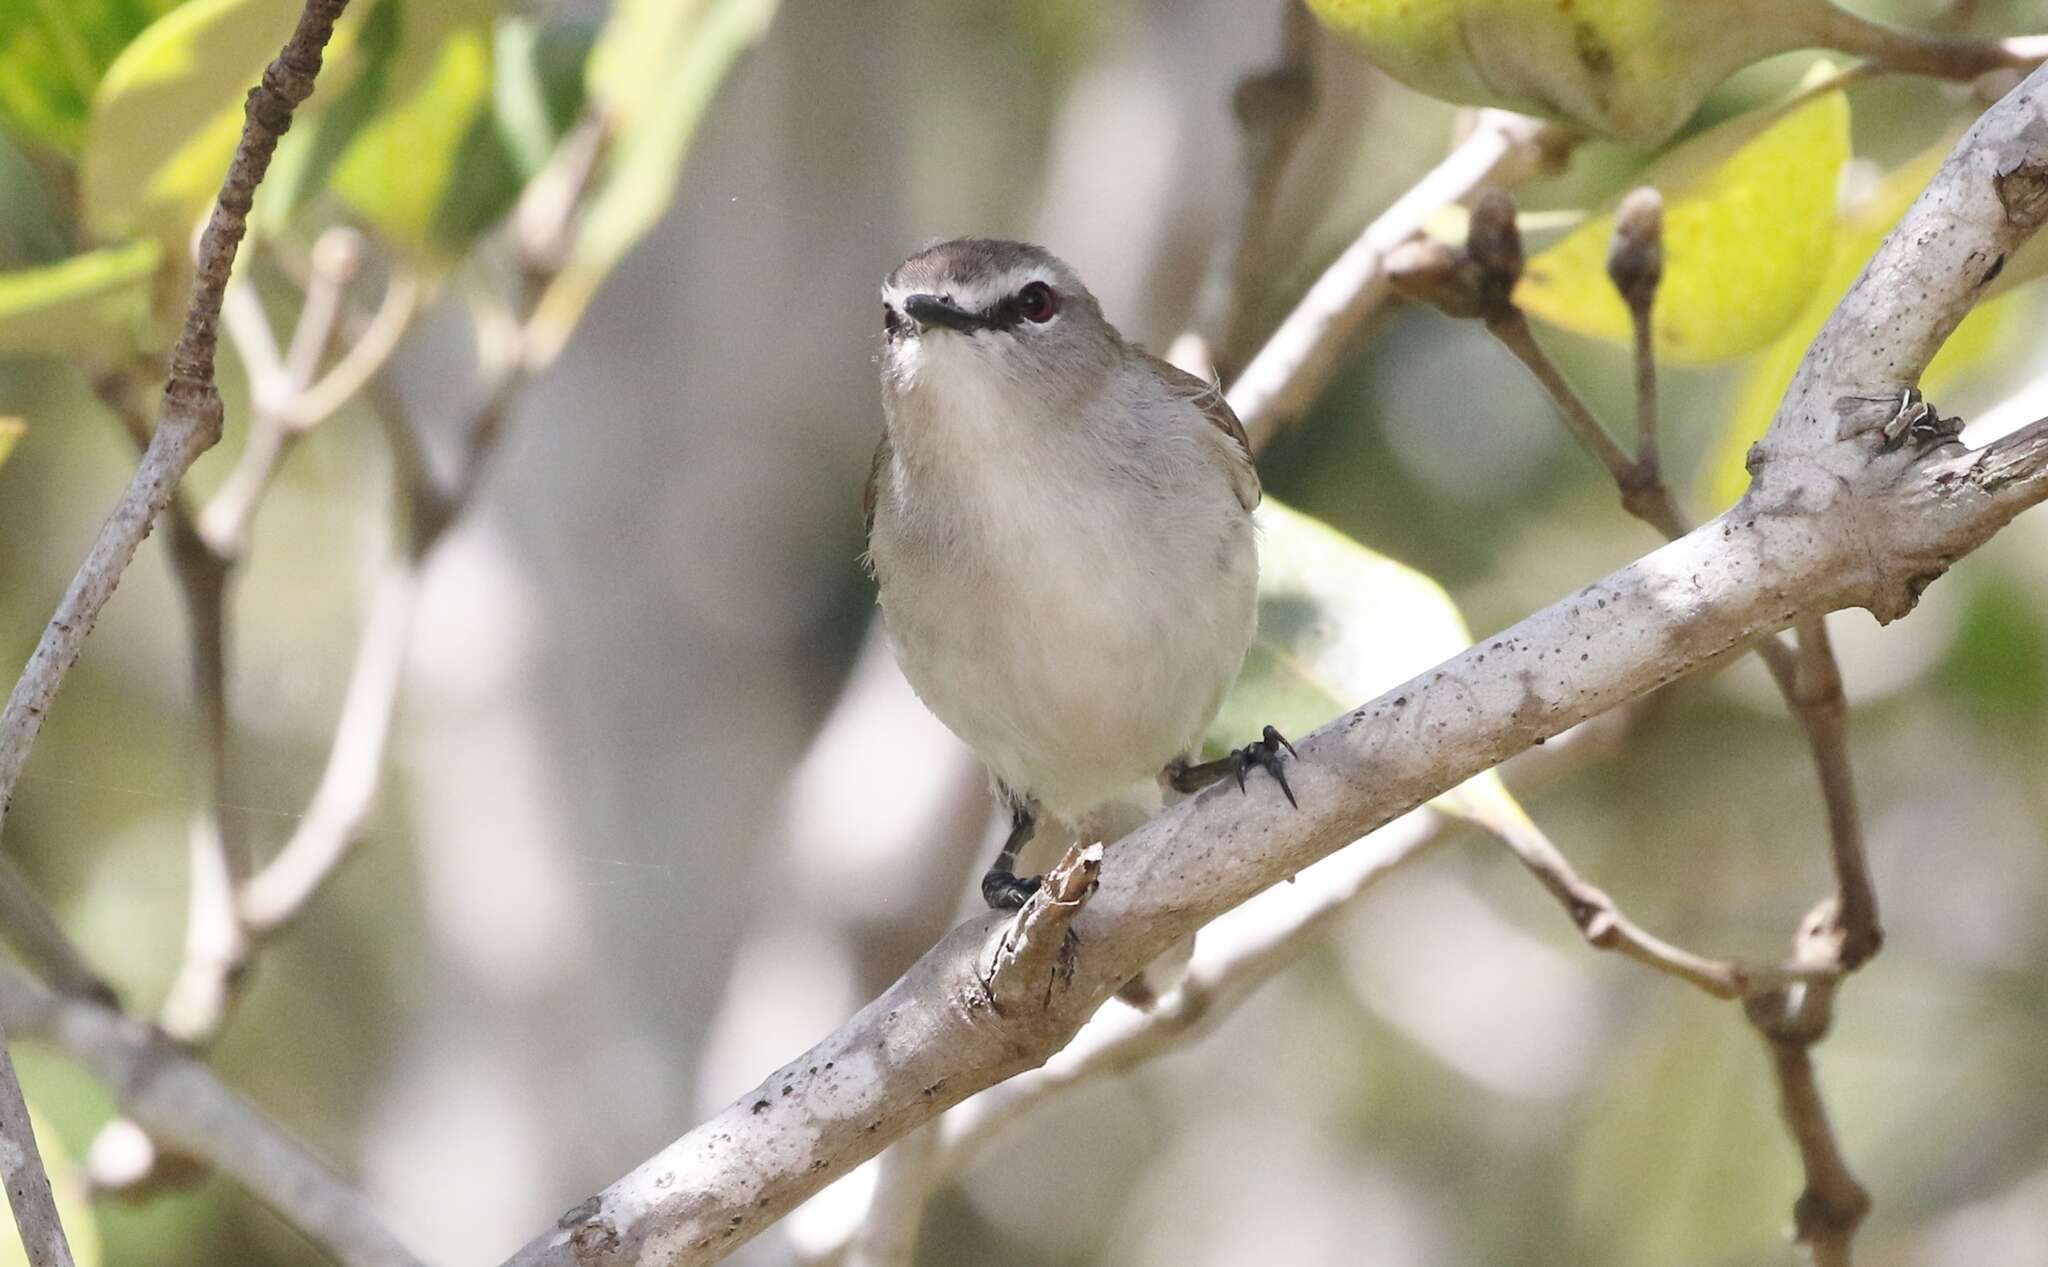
<point>937,310</point>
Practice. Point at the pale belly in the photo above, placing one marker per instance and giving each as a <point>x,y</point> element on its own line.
<point>1076,673</point>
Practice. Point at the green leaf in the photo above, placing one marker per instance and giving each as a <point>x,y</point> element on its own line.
<point>1763,386</point>
<point>81,1228</point>
<point>11,431</point>
<point>1338,625</point>
<point>1998,665</point>
<point>654,70</point>
<point>96,303</point>
<point>52,55</point>
<point>30,231</point>
<point>401,170</point>
<point>1749,213</point>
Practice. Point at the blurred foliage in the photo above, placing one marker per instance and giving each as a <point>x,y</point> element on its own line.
<point>10,433</point>
<point>53,54</point>
<point>652,75</point>
<point>93,305</point>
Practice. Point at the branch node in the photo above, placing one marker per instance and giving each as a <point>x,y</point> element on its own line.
<point>2022,187</point>
<point>1824,1216</point>
<point>1430,272</point>
<point>1038,944</point>
<point>1495,244</point>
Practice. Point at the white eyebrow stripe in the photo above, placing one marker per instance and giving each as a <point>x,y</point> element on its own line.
<point>983,294</point>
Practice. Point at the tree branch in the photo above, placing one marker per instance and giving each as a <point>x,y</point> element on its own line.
<point>1792,550</point>
<point>21,1169</point>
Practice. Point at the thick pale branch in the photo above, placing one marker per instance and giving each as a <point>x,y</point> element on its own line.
<point>1791,551</point>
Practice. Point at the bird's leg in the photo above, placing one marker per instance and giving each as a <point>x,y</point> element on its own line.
<point>1002,888</point>
<point>1263,752</point>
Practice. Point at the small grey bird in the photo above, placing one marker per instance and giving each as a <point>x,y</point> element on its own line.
<point>1061,528</point>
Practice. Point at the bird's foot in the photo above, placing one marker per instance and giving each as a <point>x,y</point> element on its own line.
<point>1263,753</point>
<point>1005,891</point>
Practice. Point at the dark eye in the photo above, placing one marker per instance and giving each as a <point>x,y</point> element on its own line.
<point>1036,302</point>
<point>892,322</point>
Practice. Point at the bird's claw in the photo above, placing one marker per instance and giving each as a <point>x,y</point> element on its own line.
<point>1264,752</point>
<point>1006,892</point>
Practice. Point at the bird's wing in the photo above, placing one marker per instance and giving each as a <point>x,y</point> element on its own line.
<point>1208,397</point>
<point>873,489</point>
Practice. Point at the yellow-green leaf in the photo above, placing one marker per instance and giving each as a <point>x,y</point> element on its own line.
<point>166,116</point>
<point>1748,218</point>
<point>95,303</point>
<point>1860,232</point>
<point>52,55</point>
<point>11,431</point>
<point>81,1228</point>
<point>1338,625</point>
<point>654,70</point>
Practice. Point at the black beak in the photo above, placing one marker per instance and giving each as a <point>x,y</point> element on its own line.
<point>937,310</point>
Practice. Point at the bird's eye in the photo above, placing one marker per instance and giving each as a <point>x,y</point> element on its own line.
<point>1037,303</point>
<point>892,322</point>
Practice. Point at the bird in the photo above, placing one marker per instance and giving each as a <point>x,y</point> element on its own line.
<point>1059,525</point>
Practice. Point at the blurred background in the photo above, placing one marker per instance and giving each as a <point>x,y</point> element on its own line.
<point>600,895</point>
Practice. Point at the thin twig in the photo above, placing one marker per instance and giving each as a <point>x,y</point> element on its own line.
<point>1902,50</point>
<point>1823,710</point>
<point>1790,1021</point>
<point>189,421</point>
<point>282,888</point>
<point>21,1169</point>
<point>1603,924</point>
<point>1273,107</point>
<point>38,938</point>
<point>282,391</point>
<point>1833,1205</point>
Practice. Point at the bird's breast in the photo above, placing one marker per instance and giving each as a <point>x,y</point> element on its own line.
<point>1076,636</point>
